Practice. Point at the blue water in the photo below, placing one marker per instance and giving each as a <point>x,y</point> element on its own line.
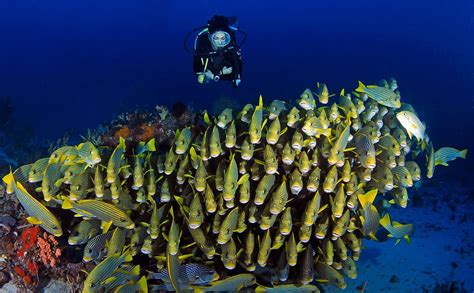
<point>70,65</point>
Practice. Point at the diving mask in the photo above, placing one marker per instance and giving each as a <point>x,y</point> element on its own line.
<point>219,39</point>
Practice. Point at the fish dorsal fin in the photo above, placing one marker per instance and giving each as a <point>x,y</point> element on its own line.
<point>206,118</point>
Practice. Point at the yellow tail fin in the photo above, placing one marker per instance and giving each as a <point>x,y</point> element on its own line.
<point>127,257</point>
<point>67,204</point>
<point>463,153</point>
<point>385,221</point>
<point>361,87</point>
<point>368,198</point>
<point>9,179</point>
<point>151,145</point>
<point>142,285</point>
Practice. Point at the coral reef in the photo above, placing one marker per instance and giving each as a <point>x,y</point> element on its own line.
<point>34,257</point>
<point>142,125</point>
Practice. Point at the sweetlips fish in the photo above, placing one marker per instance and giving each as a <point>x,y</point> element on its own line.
<point>189,274</point>
<point>104,270</point>
<point>230,284</point>
<point>104,211</point>
<point>447,154</point>
<point>241,196</point>
<point>396,229</point>
<point>307,100</point>
<point>382,95</point>
<point>412,124</point>
<point>37,213</point>
<point>323,93</point>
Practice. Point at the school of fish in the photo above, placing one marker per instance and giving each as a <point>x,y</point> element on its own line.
<point>274,197</point>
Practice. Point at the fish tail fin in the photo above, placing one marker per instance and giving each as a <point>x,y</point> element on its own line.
<point>127,256</point>
<point>142,284</point>
<point>67,204</point>
<point>368,198</point>
<point>136,270</point>
<point>150,146</point>
<point>260,101</point>
<point>361,87</point>
<point>385,221</point>
<point>463,153</point>
<point>371,195</point>
<point>9,179</point>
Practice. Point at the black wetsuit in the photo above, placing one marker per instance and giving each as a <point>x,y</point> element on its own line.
<point>229,56</point>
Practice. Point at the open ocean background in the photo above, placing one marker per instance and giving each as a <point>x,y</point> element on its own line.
<point>71,65</point>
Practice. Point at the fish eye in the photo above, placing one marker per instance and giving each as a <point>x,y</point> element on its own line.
<point>123,219</point>
<point>90,152</point>
<point>89,250</point>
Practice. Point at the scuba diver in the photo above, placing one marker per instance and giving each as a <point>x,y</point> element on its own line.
<point>217,55</point>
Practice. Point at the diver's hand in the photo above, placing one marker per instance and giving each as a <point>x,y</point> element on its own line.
<point>203,77</point>
<point>209,75</point>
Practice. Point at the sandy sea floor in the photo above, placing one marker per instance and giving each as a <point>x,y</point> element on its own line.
<point>441,249</point>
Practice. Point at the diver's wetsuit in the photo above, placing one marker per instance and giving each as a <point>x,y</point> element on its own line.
<point>228,56</point>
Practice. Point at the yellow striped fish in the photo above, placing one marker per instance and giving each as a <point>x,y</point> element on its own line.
<point>38,214</point>
<point>382,95</point>
<point>104,211</point>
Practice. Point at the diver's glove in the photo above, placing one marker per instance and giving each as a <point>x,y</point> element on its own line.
<point>209,75</point>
